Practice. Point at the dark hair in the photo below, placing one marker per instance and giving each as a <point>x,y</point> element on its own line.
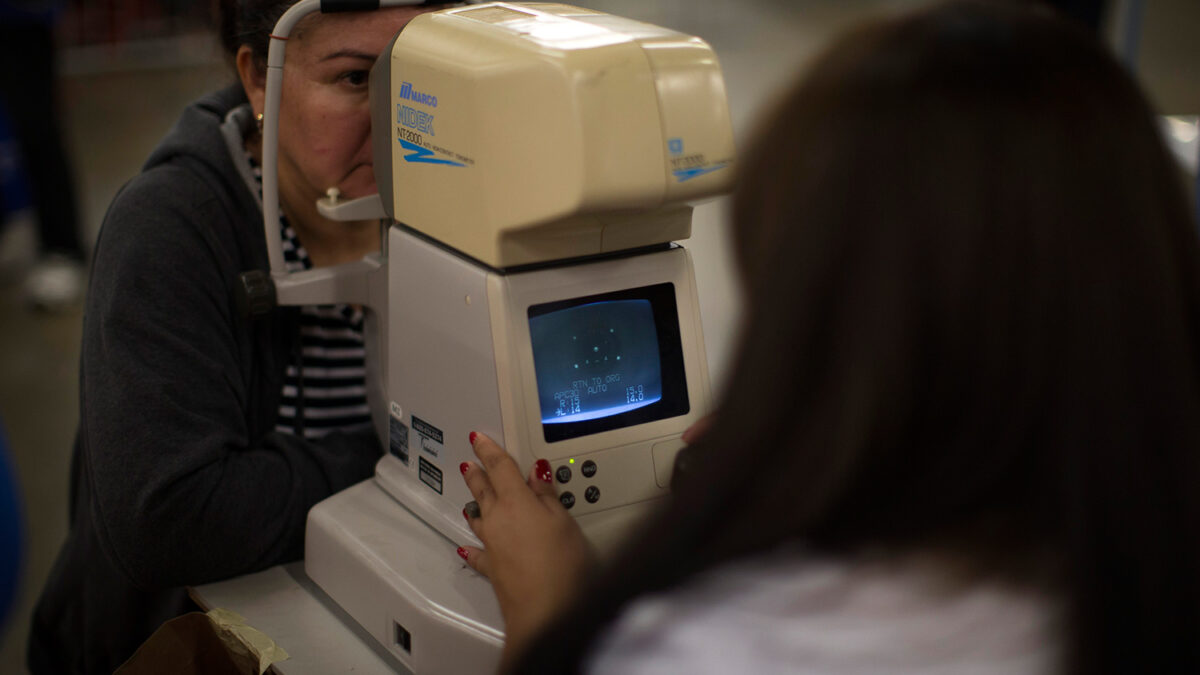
<point>249,22</point>
<point>972,325</point>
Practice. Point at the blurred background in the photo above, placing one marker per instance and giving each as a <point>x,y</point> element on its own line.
<point>125,69</point>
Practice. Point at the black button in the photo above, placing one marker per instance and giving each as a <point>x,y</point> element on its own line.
<point>563,474</point>
<point>592,494</point>
<point>589,469</point>
<point>567,499</point>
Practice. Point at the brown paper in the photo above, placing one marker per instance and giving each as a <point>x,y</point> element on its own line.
<point>204,644</point>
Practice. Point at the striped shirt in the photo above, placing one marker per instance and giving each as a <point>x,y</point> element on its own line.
<point>324,387</point>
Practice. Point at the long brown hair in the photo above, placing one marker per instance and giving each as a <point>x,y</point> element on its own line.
<point>973,323</point>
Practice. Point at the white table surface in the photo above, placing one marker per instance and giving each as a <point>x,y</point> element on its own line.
<point>319,637</point>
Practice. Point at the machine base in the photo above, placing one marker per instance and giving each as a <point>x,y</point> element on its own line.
<point>403,583</point>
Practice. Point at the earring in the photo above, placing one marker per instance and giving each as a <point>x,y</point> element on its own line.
<point>258,120</point>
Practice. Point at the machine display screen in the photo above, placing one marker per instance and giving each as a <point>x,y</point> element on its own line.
<point>607,361</point>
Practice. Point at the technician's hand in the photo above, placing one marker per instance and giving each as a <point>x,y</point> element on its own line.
<point>698,429</point>
<point>535,554</point>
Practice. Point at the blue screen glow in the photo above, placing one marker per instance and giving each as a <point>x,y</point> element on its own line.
<point>596,360</point>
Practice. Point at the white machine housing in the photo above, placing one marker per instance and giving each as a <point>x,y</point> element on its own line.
<point>526,140</point>
<point>527,132</point>
<point>541,160</point>
<point>465,362</point>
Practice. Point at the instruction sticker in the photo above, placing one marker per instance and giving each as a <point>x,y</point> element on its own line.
<point>430,474</point>
<point>430,436</point>
<point>399,439</point>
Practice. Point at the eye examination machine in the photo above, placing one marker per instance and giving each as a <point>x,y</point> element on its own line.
<point>536,164</point>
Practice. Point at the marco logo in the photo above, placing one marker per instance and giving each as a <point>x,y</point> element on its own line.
<point>409,94</point>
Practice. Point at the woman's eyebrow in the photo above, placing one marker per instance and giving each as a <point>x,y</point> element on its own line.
<point>351,54</point>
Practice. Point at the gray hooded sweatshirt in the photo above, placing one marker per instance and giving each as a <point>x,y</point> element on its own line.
<point>178,475</point>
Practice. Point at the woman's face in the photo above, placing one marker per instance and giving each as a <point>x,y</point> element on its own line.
<point>324,124</point>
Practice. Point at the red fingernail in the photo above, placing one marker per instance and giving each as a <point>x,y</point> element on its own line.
<point>542,468</point>
<point>463,467</point>
<point>462,553</point>
<point>472,437</point>
<point>466,516</point>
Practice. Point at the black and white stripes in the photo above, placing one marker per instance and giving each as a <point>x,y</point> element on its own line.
<point>324,388</point>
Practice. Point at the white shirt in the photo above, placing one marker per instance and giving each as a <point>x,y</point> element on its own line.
<point>791,614</point>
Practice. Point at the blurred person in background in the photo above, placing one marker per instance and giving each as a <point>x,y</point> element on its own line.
<point>206,435</point>
<point>29,97</point>
<point>961,433</point>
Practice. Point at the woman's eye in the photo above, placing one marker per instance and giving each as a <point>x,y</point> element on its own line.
<point>356,78</point>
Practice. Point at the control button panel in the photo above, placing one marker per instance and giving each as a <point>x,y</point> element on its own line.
<point>613,477</point>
